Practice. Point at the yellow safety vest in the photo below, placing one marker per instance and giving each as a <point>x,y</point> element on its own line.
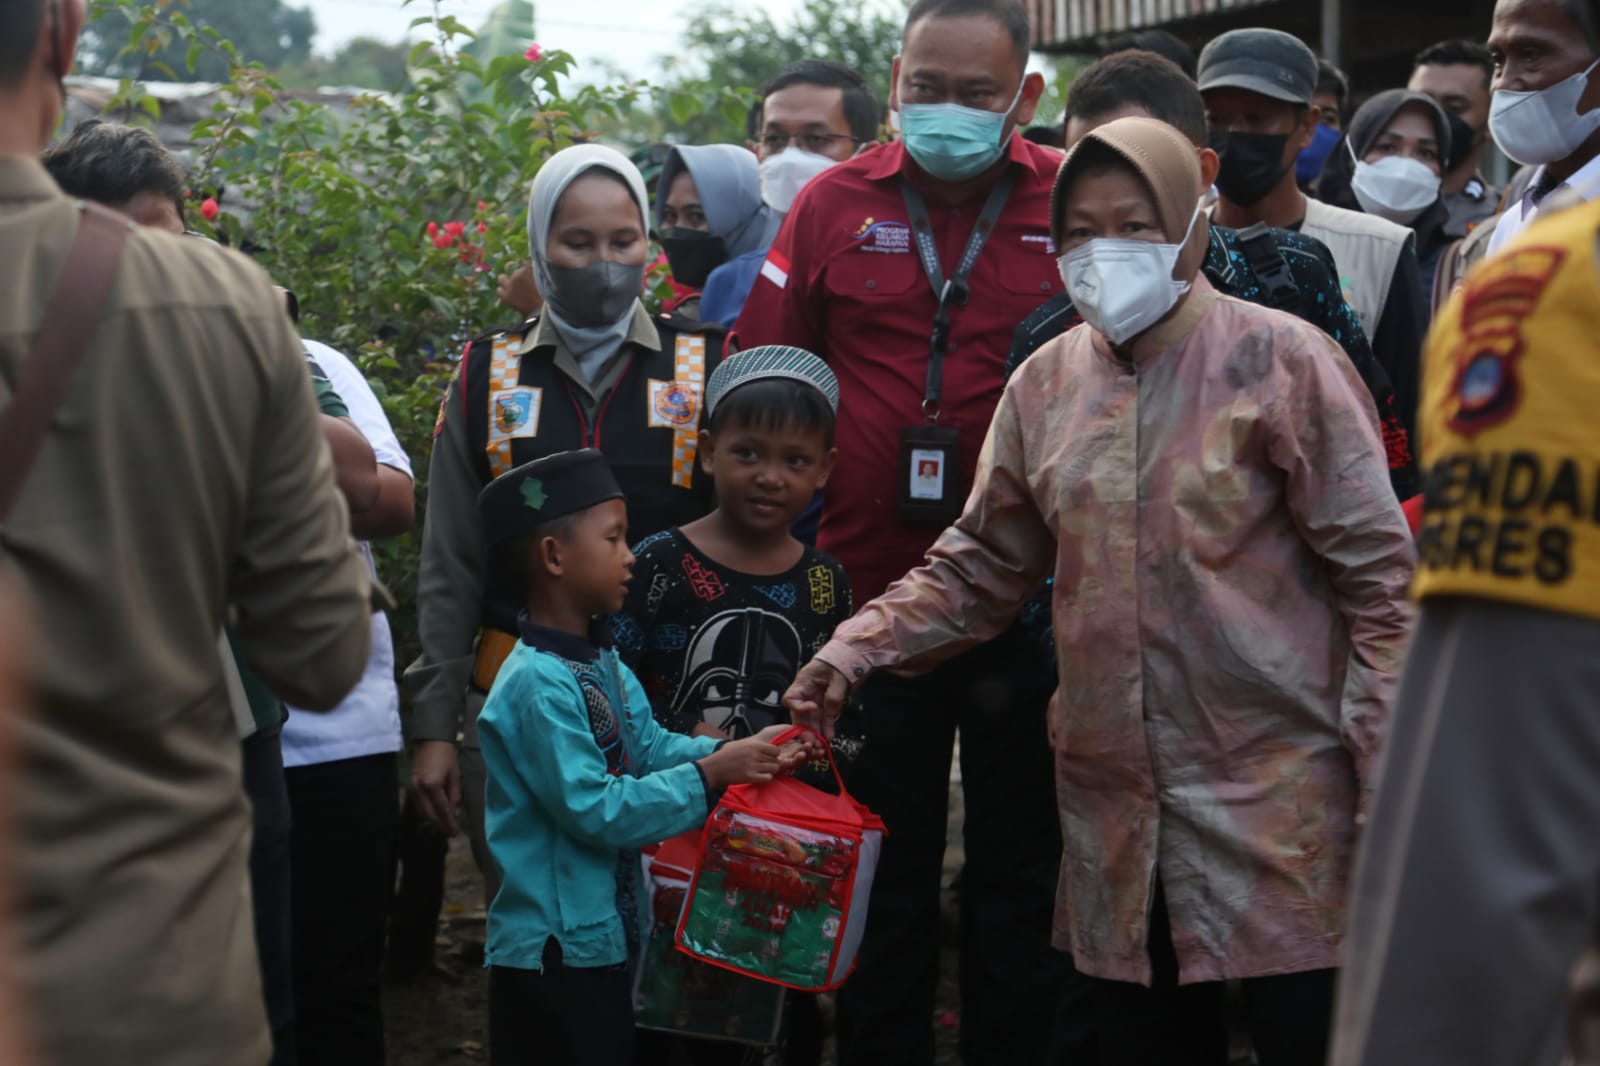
<point>1510,425</point>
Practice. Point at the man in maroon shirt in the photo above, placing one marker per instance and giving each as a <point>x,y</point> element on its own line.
<point>907,268</point>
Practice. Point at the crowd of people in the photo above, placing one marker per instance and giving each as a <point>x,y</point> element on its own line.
<point>1219,466</point>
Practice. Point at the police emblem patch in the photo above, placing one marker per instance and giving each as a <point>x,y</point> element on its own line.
<point>673,404</point>
<point>514,413</point>
<point>1495,300</point>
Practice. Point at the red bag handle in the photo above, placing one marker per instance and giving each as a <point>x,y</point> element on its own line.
<point>801,730</point>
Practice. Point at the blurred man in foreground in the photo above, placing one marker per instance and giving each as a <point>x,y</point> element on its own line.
<point>1478,885</point>
<point>182,471</point>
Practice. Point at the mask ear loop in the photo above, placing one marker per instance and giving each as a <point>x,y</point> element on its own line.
<point>1017,99</point>
<point>1201,204</point>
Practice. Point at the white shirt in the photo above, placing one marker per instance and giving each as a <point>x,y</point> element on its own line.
<point>368,721</point>
<point>1584,184</point>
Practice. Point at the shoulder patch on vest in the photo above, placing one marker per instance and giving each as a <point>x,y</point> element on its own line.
<point>1486,389</point>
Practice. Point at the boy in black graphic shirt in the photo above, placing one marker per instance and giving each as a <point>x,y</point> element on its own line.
<point>723,611</point>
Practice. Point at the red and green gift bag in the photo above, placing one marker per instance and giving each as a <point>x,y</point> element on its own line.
<point>780,889</point>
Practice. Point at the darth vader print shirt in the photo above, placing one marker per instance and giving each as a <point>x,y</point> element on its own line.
<point>714,645</point>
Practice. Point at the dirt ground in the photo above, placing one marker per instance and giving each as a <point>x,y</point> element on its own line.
<point>440,1018</point>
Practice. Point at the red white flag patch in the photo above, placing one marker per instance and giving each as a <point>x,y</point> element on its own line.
<point>776,269</point>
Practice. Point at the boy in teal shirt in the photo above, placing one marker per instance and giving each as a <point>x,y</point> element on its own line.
<point>579,774</point>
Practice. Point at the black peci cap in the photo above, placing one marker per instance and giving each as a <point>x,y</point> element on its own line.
<point>545,489</point>
<point>1268,62</point>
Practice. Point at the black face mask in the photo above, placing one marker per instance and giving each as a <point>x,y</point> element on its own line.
<point>1252,164</point>
<point>1463,141</point>
<point>692,254</point>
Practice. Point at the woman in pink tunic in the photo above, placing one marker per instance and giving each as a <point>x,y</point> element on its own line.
<point>1205,481</point>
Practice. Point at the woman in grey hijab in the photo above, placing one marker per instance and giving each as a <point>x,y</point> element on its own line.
<point>586,230</point>
<point>1389,164</point>
<point>727,181</point>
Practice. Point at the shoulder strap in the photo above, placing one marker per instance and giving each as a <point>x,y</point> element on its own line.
<point>689,368</point>
<point>1448,273</point>
<point>69,323</point>
<point>505,372</point>
<point>952,290</point>
<point>1268,265</point>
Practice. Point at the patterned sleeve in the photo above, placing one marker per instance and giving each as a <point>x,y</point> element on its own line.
<point>631,627</point>
<point>850,731</point>
<point>1326,308</point>
<point>1049,321</point>
<point>846,600</point>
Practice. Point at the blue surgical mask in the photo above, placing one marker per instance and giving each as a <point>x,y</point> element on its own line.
<point>953,142</point>
<point>1308,164</point>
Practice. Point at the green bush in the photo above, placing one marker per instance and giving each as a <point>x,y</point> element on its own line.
<point>389,221</point>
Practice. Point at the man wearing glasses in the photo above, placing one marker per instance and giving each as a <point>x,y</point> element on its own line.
<point>814,114</point>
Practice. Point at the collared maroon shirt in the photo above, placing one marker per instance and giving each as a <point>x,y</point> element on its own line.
<point>843,280</point>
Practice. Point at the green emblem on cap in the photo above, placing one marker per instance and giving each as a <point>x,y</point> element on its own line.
<point>533,493</point>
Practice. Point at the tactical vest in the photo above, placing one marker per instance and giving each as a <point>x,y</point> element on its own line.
<point>522,408</point>
<point>1366,250</point>
<point>1511,389</point>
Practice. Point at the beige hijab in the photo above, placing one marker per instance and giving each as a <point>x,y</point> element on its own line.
<point>1170,167</point>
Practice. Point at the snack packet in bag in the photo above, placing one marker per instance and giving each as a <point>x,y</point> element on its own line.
<point>780,889</point>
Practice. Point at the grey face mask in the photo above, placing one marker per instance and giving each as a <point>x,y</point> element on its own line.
<point>594,295</point>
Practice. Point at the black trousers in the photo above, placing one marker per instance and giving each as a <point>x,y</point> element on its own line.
<point>1115,1023</point>
<point>1009,974</point>
<point>346,822</point>
<point>262,755</point>
<point>560,1016</point>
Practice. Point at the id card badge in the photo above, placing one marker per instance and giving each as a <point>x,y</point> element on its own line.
<point>930,475</point>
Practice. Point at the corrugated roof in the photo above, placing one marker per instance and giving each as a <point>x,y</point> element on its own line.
<point>1062,23</point>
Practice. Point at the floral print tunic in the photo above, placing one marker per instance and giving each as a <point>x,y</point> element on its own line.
<point>1230,571</point>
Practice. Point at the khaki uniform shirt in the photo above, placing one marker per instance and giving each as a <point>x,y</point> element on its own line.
<point>184,472</point>
<point>1476,202</point>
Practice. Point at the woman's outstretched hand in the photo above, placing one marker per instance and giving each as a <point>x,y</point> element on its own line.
<point>817,696</point>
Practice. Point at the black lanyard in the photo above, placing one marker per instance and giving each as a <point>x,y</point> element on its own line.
<point>952,291</point>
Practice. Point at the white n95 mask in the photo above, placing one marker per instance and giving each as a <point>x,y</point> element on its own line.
<point>785,174</point>
<point>1395,187</point>
<point>1123,287</point>
<point>1543,126</point>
